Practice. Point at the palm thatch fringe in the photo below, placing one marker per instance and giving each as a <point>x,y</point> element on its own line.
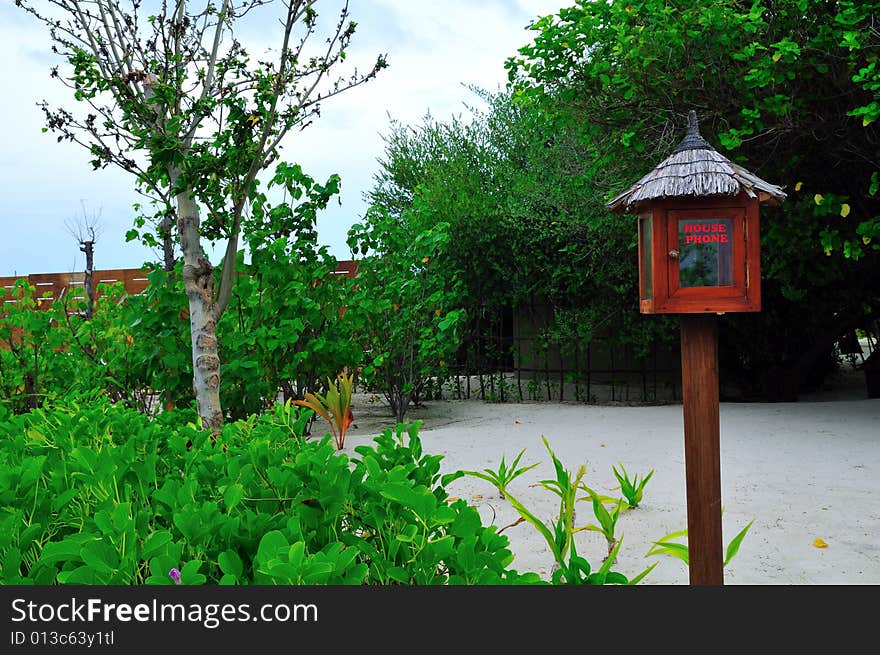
<point>696,169</point>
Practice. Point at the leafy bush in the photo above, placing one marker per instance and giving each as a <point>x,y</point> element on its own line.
<point>286,334</point>
<point>96,493</point>
<point>48,349</point>
<point>408,314</point>
<point>32,351</point>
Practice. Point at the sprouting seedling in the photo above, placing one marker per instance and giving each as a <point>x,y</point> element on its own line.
<point>558,533</point>
<point>633,489</point>
<point>334,407</point>
<point>607,519</point>
<point>501,478</point>
<point>668,546</point>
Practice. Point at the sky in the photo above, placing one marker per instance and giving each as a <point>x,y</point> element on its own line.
<point>435,50</point>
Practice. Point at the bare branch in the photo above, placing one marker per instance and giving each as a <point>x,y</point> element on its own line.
<point>85,228</point>
<point>208,82</point>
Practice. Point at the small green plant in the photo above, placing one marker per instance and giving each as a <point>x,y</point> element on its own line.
<point>504,475</point>
<point>570,568</point>
<point>668,546</point>
<point>334,406</point>
<point>607,519</point>
<point>534,389</point>
<point>631,489</point>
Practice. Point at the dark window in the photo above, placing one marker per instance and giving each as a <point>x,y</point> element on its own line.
<point>705,252</point>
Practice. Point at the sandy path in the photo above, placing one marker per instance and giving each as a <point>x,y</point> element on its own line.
<point>800,470</point>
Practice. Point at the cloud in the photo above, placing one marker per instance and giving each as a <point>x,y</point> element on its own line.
<point>434,49</point>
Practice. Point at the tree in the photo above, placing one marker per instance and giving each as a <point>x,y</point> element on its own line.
<point>175,99</point>
<point>528,229</point>
<point>85,230</point>
<point>405,312</point>
<point>290,325</point>
<point>790,89</point>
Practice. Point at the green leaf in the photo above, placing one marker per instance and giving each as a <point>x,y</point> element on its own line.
<point>679,551</point>
<point>612,557</point>
<point>63,551</point>
<point>402,494</point>
<point>61,500</point>
<point>189,574</point>
<point>444,514</point>
<point>232,495</point>
<point>155,543</point>
<point>733,546</point>
<point>614,577</point>
<point>272,543</point>
<point>230,563</point>
<point>99,557</point>
<point>296,554</point>
<point>398,574</point>
<point>641,576</point>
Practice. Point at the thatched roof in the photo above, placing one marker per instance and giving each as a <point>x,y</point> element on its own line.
<point>696,169</point>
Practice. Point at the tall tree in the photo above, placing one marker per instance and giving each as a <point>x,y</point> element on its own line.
<point>789,88</point>
<point>174,98</point>
<point>528,229</point>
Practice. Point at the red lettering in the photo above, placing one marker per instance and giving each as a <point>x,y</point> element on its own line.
<point>705,233</point>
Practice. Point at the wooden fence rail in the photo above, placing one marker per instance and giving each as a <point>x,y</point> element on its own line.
<point>504,368</point>
<point>50,286</point>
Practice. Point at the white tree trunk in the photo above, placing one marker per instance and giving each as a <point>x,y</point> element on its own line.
<point>198,278</point>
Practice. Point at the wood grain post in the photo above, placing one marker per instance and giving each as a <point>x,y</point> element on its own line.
<point>702,452</point>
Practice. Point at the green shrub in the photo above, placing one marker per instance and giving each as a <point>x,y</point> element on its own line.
<point>96,493</point>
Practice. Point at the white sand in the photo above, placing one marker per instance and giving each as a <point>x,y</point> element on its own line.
<point>801,471</point>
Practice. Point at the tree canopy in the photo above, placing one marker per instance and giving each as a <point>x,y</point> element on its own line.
<point>524,202</point>
<point>788,88</point>
<point>600,96</point>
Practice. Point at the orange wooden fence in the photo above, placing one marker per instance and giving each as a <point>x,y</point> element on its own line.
<point>50,286</point>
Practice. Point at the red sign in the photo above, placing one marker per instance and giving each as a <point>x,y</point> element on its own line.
<point>705,232</point>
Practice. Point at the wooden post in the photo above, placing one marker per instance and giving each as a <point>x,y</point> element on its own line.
<point>699,377</point>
